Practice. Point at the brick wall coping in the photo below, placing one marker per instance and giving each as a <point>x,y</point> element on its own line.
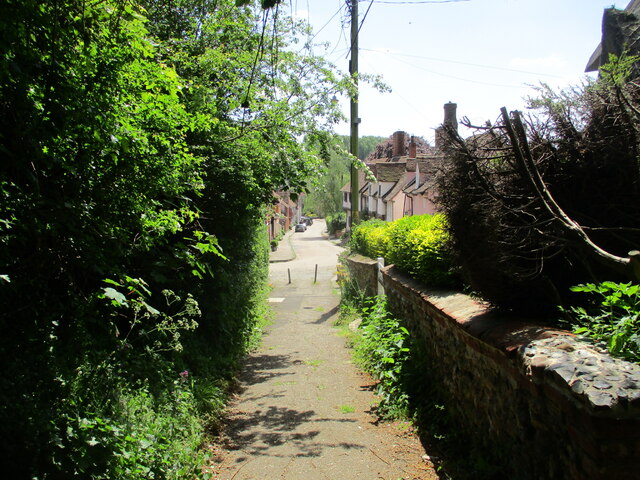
<point>577,370</point>
<point>356,257</point>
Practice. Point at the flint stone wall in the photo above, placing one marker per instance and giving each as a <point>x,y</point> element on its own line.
<point>535,399</point>
<point>364,271</point>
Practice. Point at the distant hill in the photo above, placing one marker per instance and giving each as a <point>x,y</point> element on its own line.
<point>366,144</point>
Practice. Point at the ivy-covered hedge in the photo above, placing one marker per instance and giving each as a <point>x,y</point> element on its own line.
<point>418,245</point>
<point>133,253</point>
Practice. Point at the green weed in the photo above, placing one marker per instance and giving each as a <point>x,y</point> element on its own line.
<point>346,409</point>
<point>612,318</point>
<point>283,384</point>
<point>382,350</point>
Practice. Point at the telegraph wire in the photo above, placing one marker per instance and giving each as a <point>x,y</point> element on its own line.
<point>360,27</point>
<point>328,22</point>
<point>316,33</point>
<point>457,78</point>
<point>418,2</point>
<point>461,63</point>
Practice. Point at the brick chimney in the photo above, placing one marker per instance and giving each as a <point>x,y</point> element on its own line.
<point>449,119</point>
<point>398,143</point>
<point>413,147</point>
<point>450,115</point>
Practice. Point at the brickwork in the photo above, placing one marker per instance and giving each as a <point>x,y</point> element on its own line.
<point>533,398</point>
<point>364,271</point>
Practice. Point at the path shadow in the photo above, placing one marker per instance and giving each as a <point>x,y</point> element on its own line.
<point>326,315</point>
<point>261,432</point>
<point>261,368</point>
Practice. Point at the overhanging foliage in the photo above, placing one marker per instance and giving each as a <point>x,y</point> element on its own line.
<point>140,142</point>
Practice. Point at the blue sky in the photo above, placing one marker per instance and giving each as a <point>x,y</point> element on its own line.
<point>480,54</point>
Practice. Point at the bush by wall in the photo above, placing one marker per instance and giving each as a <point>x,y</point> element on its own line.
<point>123,190</point>
<point>371,238</point>
<point>582,144</point>
<point>382,350</point>
<point>417,245</point>
<point>336,222</point>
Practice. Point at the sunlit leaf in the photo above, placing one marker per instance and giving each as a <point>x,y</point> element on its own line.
<point>116,297</point>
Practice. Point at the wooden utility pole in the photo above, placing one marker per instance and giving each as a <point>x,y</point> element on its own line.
<point>353,71</point>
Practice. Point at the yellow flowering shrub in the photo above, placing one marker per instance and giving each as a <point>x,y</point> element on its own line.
<point>417,245</point>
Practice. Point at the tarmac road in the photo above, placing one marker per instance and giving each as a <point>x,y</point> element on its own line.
<point>303,411</point>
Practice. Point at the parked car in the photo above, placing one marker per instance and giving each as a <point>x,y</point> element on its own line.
<point>306,220</point>
<point>301,227</point>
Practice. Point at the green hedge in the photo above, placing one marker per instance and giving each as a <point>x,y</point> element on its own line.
<point>417,245</point>
<point>336,222</point>
<point>371,238</point>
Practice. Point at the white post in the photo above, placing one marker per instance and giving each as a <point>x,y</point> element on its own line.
<point>380,285</point>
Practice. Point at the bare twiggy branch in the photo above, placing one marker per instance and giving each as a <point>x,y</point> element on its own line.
<point>529,170</point>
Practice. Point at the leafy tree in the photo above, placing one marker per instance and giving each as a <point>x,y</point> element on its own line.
<point>96,170</point>
<point>259,97</point>
<point>367,144</point>
<point>140,143</point>
<point>325,197</point>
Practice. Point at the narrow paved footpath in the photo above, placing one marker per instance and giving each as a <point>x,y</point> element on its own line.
<point>303,409</point>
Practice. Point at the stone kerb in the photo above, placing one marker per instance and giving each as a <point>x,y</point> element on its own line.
<point>538,400</point>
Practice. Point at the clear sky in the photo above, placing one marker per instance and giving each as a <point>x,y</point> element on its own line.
<point>480,54</point>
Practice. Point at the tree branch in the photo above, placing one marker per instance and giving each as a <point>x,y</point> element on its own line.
<point>531,174</point>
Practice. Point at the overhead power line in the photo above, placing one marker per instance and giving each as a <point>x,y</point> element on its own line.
<point>360,26</point>
<point>414,2</point>
<point>463,79</point>
<point>311,38</point>
<point>328,22</point>
<point>506,69</point>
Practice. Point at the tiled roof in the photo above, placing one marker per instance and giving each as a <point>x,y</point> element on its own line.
<point>410,189</point>
<point>384,149</point>
<point>426,163</point>
<point>428,172</point>
<point>424,188</point>
<point>389,171</point>
<point>397,188</point>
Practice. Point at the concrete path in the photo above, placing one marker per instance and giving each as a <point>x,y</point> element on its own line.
<point>285,251</point>
<point>303,410</point>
